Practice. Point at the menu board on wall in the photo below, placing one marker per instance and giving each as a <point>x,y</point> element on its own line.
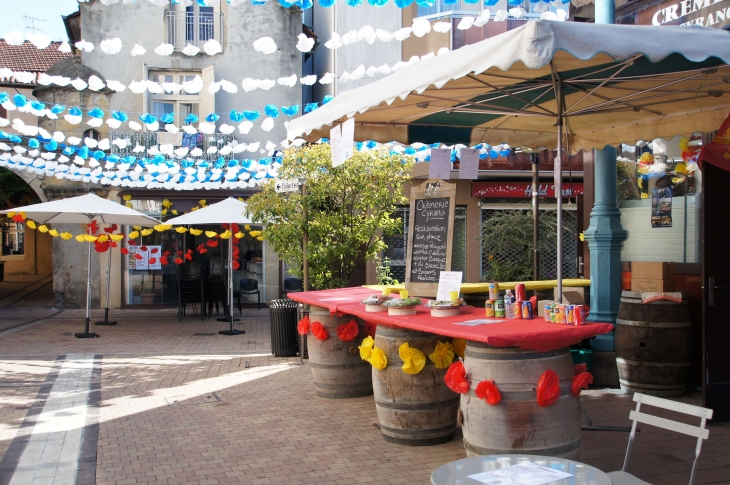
<point>430,235</point>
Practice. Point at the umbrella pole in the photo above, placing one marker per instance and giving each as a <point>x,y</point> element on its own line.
<point>230,331</point>
<point>86,333</point>
<point>559,188</point>
<point>108,281</point>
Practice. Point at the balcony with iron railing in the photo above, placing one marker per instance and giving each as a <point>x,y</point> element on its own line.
<point>193,27</point>
<point>150,139</point>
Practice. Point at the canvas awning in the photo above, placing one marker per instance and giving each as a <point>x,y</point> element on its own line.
<point>620,83</point>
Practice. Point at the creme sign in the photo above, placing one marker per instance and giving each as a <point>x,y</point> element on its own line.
<point>708,13</point>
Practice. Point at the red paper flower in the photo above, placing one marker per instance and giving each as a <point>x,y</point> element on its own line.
<point>212,243</point>
<point>124,251</point>
<point>580,368</point>
<point>370,328</point>
<point>488,391</point>
<point>112,244</point>
<point>235,228</point>
<point>137,256</point>
<point>153,260</point>
<point>225,227</point>
<point>581,381</point>
<point>110,229</point>
<point>548,388</point>
<point>155,250</point>
<point>132,242</point>
<point>236,264</point>
<point>166,253</point>
<point>178,260</point>
<point>348,331</point>
<point>101,247</point>
<point>143,248</point>
<point>18,218</point>
<point>163,260</point>
<point>179,253</point>
<point>303,325</point>
<point>93,227</point>
<point>189,256</point>
<point>455,378</point>
<point>319,332</point>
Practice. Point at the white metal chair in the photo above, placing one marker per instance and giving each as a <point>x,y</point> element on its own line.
<point>700,432</point>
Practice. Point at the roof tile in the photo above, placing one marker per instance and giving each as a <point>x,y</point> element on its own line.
<point>28,57</point>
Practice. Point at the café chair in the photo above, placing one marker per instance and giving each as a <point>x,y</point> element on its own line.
<point>248,286</point>
<point>292,285</point>
<point>699,432</point>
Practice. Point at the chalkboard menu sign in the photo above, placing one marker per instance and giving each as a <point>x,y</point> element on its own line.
<point>429,235</point>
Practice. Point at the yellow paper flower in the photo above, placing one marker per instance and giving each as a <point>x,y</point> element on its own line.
<point>89,238</point>
<point>147,232</point>
<point>211,234</point>
<point>201,202</point>
<point>260,238</point>
<point>11,214</point>
<point>166,203</point>
<point>413,359</point>
<point>226,235</point>
<point>80,238</point>
<point>241,199</point>
<point>196,232</point>
<point>133,235</point>
<point>180,229</point>
<point>53,233</point>
<point>103,238</point>
<point>163,212</point>
<point>366,347</point>
<point>443,355</point>
<point>247,227</point>
<point>43,228</point>
<point>128,204</point>
<point>30,223</point>
<point>377,359</point>
<point>255,233</point>
<point>459,346</point>
<point>66,236</point>
<point>127,198</point>
<point>137,228</point>
<point>195,208</point>
<point>174,212</point>
<point>239,235</point>
<point>116,237</point>
<point>160,227</point>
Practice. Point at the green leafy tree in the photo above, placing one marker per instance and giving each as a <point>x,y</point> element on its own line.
<point>349,210</point>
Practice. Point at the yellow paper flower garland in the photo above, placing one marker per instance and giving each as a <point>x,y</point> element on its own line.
<point>443,355</point>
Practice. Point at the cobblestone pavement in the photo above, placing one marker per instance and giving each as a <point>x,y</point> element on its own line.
<point>178,403</point>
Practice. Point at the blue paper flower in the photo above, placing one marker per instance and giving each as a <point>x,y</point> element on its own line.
<point>353,3</point>
<point>112,158</point>
<point>20,100</point>
<point>96,113</point>
<point>232,163</point>
<point>168,118</point>
<point>304,4</point>
<point>58,109</point>
<point>425,3</point>
<point>271,110</point>
<point>246,164</point>
<point>251,115</point>
<point>120,116</point>
<point>37,105</point>
<point>75,111</point>
<point>187,163</point>
<point>158,159</point>
<point>310,107</point>
<point>4,97</point>
<point>327,99</point>
<point>493,153</point>
<point>264,162</point>
<point>236,116</point>
<point>129,159</point>
<point>290,110</point>
<point>410,151</point>
<point>220,163</point>
<point>285,4</point>
<point>514,3</point>
<point>358,145</point>
<point>99,155</point>
<point>68,151</point>
<point>51,146</point>
<point>258,2</point>
<point>212,118</point>
<point>33,143</point>
<point>147,119</point>
<point>403,3</point>
<point>505,152</point>
<point>326,3</point>
<point>83,152</point>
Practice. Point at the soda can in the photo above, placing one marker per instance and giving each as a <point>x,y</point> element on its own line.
<point>493,290</point>
<point>489,308</point>
<point>555,314</point>
<point>547,310</point>
<point>570,310</point>
<point>579,317</point>
<point>518,309</point>
<point>560,315</point>
<point>520,292</point>
<point>499,308</point>
<point>527,310</point>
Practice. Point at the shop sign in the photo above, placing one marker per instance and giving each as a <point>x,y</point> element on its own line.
<point>708,13</point>
<point>520,190</point>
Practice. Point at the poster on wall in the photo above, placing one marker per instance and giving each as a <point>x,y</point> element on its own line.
<point>661,207</point>
<point>148,260</point>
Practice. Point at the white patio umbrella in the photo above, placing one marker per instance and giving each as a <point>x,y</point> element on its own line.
<point>82,210</point>
<point>568,86</point>
<point>228,211</point>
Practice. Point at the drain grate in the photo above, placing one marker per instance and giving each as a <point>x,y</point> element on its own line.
<point>210,397</point>
<point>201,334</point>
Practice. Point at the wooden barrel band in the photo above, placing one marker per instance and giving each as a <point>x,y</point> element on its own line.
<point>389,333</point>
<point>417,406</point>
<point>418,432</point>
<point>515,356</point>
<point>344,385</point>
<point>635,323</point>
<point>658,387</point>
<point>652,364</point>
<point>524,395</point>
<point>556,451</point>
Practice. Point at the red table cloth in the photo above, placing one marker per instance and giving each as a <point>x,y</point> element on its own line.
<point>535,334</point>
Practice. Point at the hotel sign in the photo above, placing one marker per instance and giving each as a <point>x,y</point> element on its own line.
<point>707,13</point>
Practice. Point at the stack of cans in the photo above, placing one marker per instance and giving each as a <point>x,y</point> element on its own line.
<point>565,314</point>
<point>495,306</point>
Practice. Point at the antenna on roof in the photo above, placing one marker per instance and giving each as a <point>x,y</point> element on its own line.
<point>32,21</point>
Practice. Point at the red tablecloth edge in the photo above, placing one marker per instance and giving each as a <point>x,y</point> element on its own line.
<point>535,334</point>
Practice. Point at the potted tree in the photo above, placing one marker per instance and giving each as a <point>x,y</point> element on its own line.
<point>147,292</point>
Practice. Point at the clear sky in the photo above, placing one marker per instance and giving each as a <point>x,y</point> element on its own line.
<point>48,11</point>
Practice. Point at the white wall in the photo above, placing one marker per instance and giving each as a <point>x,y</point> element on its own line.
<point>662,244</point>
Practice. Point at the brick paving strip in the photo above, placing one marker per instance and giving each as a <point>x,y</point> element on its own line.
<point>54,438</point>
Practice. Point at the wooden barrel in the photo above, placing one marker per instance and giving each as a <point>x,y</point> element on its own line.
<point>337,369</point>
<point>413,409</point>
<point>518,424</point>
<point>653,346</point>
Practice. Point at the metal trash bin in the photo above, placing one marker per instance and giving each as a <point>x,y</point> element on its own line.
<point>283,318</point>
